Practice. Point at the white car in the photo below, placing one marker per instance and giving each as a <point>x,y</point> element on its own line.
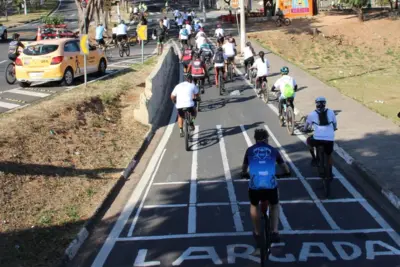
<point>3,32</point>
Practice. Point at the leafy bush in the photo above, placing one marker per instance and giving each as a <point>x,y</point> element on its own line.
<point>54,19</point>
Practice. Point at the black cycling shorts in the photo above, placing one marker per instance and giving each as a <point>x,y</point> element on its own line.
<point>183,41</point>
<point>328,145</point>
<point>271,195</point>
<point>12,57</point>
<point>100,41</point>
<point>181,113</point>
<point>122,36</point>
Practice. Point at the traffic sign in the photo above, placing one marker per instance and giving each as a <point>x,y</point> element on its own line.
<point>84,44</point>
<point>142,32</point>
<point>235,3</point>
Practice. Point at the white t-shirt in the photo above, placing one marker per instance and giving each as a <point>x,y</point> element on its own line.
<point>135,10</point>
<point>326,132</point>
<point>282,81</point>
<point>179,21</point>
<point>229,49</point>
<point>219,32</point>
<point>201,40</point>
<point>185,16</point>
<point>122,29</point>
<point>262,67</point>
<point>189,28</point>
<point>248,53</point>
<point>184,94</point>
<point>181,36</point>
<point>176,13</point>
<point>115,30</point>
<point>166,23</point>
<point>199,33</point>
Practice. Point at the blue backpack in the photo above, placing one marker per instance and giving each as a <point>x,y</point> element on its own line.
<point>185,32</point>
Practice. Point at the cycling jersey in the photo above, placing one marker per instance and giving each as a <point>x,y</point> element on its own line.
<point>122,29</point>
<point>189,28</point>
<point>183,34</point>
<point>248,52</point>
<point>219,32</point>
<point>262,67</point>
<point>322,132</point>
<point>184,93</point>
<point>13,47</point>
<point>197,68</point>
<point>229,49</point>
<point>260,159</point>
<point>286,85</point>
<point>187,55</point>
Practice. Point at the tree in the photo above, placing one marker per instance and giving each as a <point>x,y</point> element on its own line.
<point>357,5</point>
<point>94,9</point>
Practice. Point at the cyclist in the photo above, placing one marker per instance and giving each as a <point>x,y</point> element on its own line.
<point>201,39</point>
<point>230,53</point>
<point>200,33</point>
<point>324,122</point>
<point>114,33</point>
<point>184,36</point>
<point>206,52</point>
<point>196,25</point>
<point>219,64</point>
<point>186,58</point>
<point>231,40</point>
<point>13,52</point>
<point>219,33</point>
<point>287,86</point>
<point>176,14</point>
<point>99,34</point>
<point>280,14</point>
<point>179,21</point>
<point>262,66</point>
<point>183,96</point>
<point>260,159</point>
<point>189,29</point>
<point>160,32</point>
<point>122,32</point>
<point>166,24</point>
<point>198,69</point>
<point>249,55</point>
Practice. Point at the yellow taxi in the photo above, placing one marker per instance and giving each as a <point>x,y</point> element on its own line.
<point>56,60</point>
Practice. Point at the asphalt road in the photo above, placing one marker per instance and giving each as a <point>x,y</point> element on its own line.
<point>12,96</point>
<point>191,208</point>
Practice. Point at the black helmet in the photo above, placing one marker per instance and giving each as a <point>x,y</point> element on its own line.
<point>15,36</point>
<point>260,134</point>
<point>189,77</point>
<point>285,70</point>
<point>248,44</point>
<point>219,49</point>
<point>320,102</point>
<point>261,53</point>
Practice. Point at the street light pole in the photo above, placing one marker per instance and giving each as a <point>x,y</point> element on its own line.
<point>242,26</point>
<point>25,9</point>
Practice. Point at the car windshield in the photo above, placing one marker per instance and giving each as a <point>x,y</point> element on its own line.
<point>40,49</point>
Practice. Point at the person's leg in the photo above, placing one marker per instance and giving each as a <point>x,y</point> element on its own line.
<point>311,145</point>
<point>255,219</point>
<point>281,101</point>
<point>328,150</point>
<point>273,199</point>
<point>216,76</point>
<point>180,122</point>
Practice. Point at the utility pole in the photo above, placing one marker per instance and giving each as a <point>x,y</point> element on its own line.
<point>242,26</point>
<point>204,10</point>
<point>25,9</point>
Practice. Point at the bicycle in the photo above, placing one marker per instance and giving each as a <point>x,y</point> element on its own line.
<point>186,126</point>
<point>284,21</point>
<point>265,231</point>
<point>221,85</point>
<point>10,73</point>
<point>106,48</point>
<point>264,90</point>
<point>123,47</point>
<point>288,116</point>
<point>230,70</point>
<point>199,82</point>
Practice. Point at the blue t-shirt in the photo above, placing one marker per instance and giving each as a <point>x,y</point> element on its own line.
<point>261,159</point>
<point>99,32</point>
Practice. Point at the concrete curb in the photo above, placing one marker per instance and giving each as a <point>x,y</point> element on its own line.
<point>371,176</point>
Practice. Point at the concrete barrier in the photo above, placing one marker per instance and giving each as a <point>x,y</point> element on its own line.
<point>155,101</point>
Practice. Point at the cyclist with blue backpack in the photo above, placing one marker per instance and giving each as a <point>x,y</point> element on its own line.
<point>260,160</point>
<point>184,36</point>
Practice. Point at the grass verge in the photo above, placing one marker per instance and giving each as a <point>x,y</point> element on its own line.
<point>361,72</point>
<point>20,19</point>
<point>58,159</point>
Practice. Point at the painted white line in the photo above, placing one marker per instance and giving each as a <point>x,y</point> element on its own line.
<point>228,177</point>
<point>282,232</point>
<point>193,185</point>
<point>8,105</point>
<point>134,198</point>
<point>165,206</point>
<point>246,137</point>
<point>136,218</point>
<point>30,93</point>
<point>213,204</point>
<point>171,183</point>
<point>307,186</point>
<point>316,178</point>
<point>1,62</point>
<point>288,179</point>
<point>210,181</point>
<point>284,220</point>
<point>343,200</point>
<point>297,201</point>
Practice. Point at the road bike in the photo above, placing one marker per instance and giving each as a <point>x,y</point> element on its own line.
<point>288,117</point>
<point>107,48</point>
<point>284,21</point>
<point>10,73</point>
<point>265,231</point>
<point>264,90</point>
<point>123,47</point>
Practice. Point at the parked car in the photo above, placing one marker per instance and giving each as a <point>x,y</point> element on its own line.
<point>3,32</point>
<point>57,60</point>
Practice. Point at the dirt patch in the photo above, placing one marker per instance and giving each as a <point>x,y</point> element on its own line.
<point>361,59</point>
<point>58,160</point>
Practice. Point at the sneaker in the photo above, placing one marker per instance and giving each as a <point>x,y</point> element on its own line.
<point>257,238</point>
<point>181,133</point>
<point>275,238</point>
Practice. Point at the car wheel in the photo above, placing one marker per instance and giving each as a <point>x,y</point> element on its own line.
<point>68,78</point>
<point>24,84</point>
<point>4,35</point>
<point>102,67</point>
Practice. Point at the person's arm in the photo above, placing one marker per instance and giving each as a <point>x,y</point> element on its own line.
<point>282,163</point>
<point>196,92</point>
<point>276,85</point>
<point>334,121</point>
<point>308,123</point>
<point>295,85</point>
<point>21,44</point>
<point>173,95</point>
<point>245,164</point>
<point>189,68</point>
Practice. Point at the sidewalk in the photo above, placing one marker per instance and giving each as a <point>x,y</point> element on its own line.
<point>365,140</point>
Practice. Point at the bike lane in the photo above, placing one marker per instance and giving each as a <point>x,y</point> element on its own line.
<point>192,209</point>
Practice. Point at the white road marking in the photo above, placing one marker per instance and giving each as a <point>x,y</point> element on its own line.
<point>8,105</point>
<point>213,204</point>
<point>171,183</point>
<point>317,178</point>
<point>128,209</point>
<point>1,62</point>
<point>193,185</point>
<point>30,93</point>
<point>284,220</point>
<point>228,177</point>
<point>210,181</point>
<point>307,186</point>
<point>282,232</point>
<point>246,137</point>
<point>164,206</point>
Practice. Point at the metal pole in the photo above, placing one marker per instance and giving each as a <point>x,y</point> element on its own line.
<point>25,9</point>
<point>142,51</point>
<point>237,20</point>
<point>84,69</point>
<point>242,26</point>
<point>204,10</point>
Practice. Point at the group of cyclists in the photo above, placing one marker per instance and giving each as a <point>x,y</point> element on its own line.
<point>259,160</point>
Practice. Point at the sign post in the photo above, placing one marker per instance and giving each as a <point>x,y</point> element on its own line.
<point>84,44</point>
<point>142,35</point>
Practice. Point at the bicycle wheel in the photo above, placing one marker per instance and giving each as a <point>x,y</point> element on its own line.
<point>187,118</point>
<point>10,73</point>
<point>264,240</point>
<point>265,92</point>
<point>201,86</point>
<point>290,120</point>
<point>230,72</point>
<point>127,50</point>
<point>220,83</point>
<point>287,22</point>
<point>121,50</point>
<point>278,22</point>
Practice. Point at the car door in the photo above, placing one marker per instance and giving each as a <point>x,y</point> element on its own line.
<point>91,59</point>
<point>74,57</point>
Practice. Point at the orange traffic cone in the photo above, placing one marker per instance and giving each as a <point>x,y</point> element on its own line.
<point>38,36</point>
